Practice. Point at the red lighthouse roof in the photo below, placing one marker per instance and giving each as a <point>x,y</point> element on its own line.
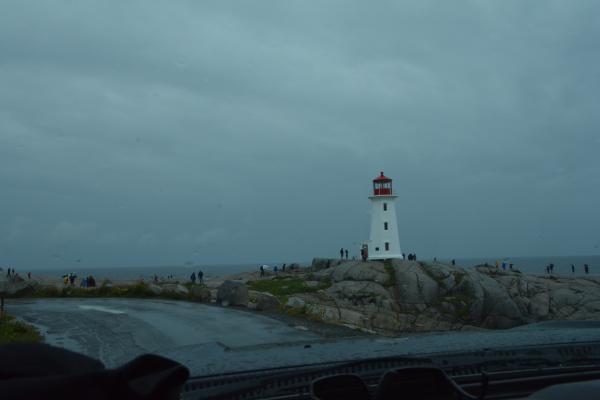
<point>382,178</point>
<point>382,185</point>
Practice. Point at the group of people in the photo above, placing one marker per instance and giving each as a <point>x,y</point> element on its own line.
<point>586,268</point>
<point>69,279</point>
<point>343,252</point>
<point>198,277</point>
<point>504,265</point>
<point>12,274</point>
<point>262,268</point>
<point>88,281</point>
<point>549,269</point>
<point>410,257</point>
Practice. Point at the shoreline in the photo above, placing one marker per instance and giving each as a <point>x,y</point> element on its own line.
<point>388,298</point>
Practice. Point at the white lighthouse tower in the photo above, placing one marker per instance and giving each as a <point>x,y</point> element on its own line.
<point>384,242</point>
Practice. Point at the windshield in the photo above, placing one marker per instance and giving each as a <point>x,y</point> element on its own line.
<point>242,185</point>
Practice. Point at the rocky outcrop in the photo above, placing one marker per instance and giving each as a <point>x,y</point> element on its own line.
<point>155,289</point>
<point>200,293</point>
<point>322,263</point>
<point>262,301</point>
<point>16,286</point>
<point>399,296</point>
<point>232,293</point>
<point>175,288</point>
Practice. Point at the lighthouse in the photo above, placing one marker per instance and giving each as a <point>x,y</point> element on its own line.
<point>384,242</point>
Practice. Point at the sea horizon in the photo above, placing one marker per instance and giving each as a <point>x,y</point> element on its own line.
<point>526,264</point>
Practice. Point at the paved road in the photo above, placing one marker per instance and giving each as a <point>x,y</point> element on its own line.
<point>117,330</point>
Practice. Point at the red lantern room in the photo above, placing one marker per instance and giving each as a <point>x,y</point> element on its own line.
<point>382,185</point>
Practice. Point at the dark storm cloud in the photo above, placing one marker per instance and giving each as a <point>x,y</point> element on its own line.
<point>136,133</point>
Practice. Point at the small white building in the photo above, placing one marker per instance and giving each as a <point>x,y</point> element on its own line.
<point>384,242</point>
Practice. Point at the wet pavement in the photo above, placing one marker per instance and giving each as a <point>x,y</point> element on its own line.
<point>117,330</point>
<point>211,340</point>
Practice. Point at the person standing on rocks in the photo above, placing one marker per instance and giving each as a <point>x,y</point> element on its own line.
<point>346,251</point>
<point>453,261</point>
<point>572,268</point>
<point>342,253</point>
<point>586,268</point>
<point>200,276</point>
<point>193,278</point>
<point>262,271</point>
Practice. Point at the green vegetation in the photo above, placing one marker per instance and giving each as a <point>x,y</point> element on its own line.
<point>389,268</point>
<point>12,331</point>
<point>462,305</point>
<point>458,277</point>
<point>438,279</point>
<point>138,290</point>
<point>284,286</point>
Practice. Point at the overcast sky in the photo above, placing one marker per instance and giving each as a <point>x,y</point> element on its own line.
<point>152,133</point>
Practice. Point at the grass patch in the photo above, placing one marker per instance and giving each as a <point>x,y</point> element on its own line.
<point>138,291</point>
<point>389,268</point>
<point>439,280</point>
<point>12,331</point>
<point>285,286</point>
<point>462,306</point>
<point>458,277</point>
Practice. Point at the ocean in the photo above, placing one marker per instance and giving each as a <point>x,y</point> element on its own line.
<point>532,265</point>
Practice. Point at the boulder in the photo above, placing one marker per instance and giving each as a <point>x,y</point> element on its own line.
<point>16,287</point>
<point>322,263</point>
<point>295,302</point>
<point>362,271</point>
<point>175,288</point>
<point>233,293</point>
<point>200,293</point>
<point>263,301</point>
<point>155,289</point>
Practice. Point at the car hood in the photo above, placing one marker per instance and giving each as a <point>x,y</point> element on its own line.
<point>215,358</point>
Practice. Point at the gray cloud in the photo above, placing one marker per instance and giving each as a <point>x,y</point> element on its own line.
<point>158,133</point>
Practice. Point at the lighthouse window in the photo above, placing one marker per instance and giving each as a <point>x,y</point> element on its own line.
<point>387,246</point>
<point>376,248</point>
<point>385,226</point>
<point>384,206</point>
